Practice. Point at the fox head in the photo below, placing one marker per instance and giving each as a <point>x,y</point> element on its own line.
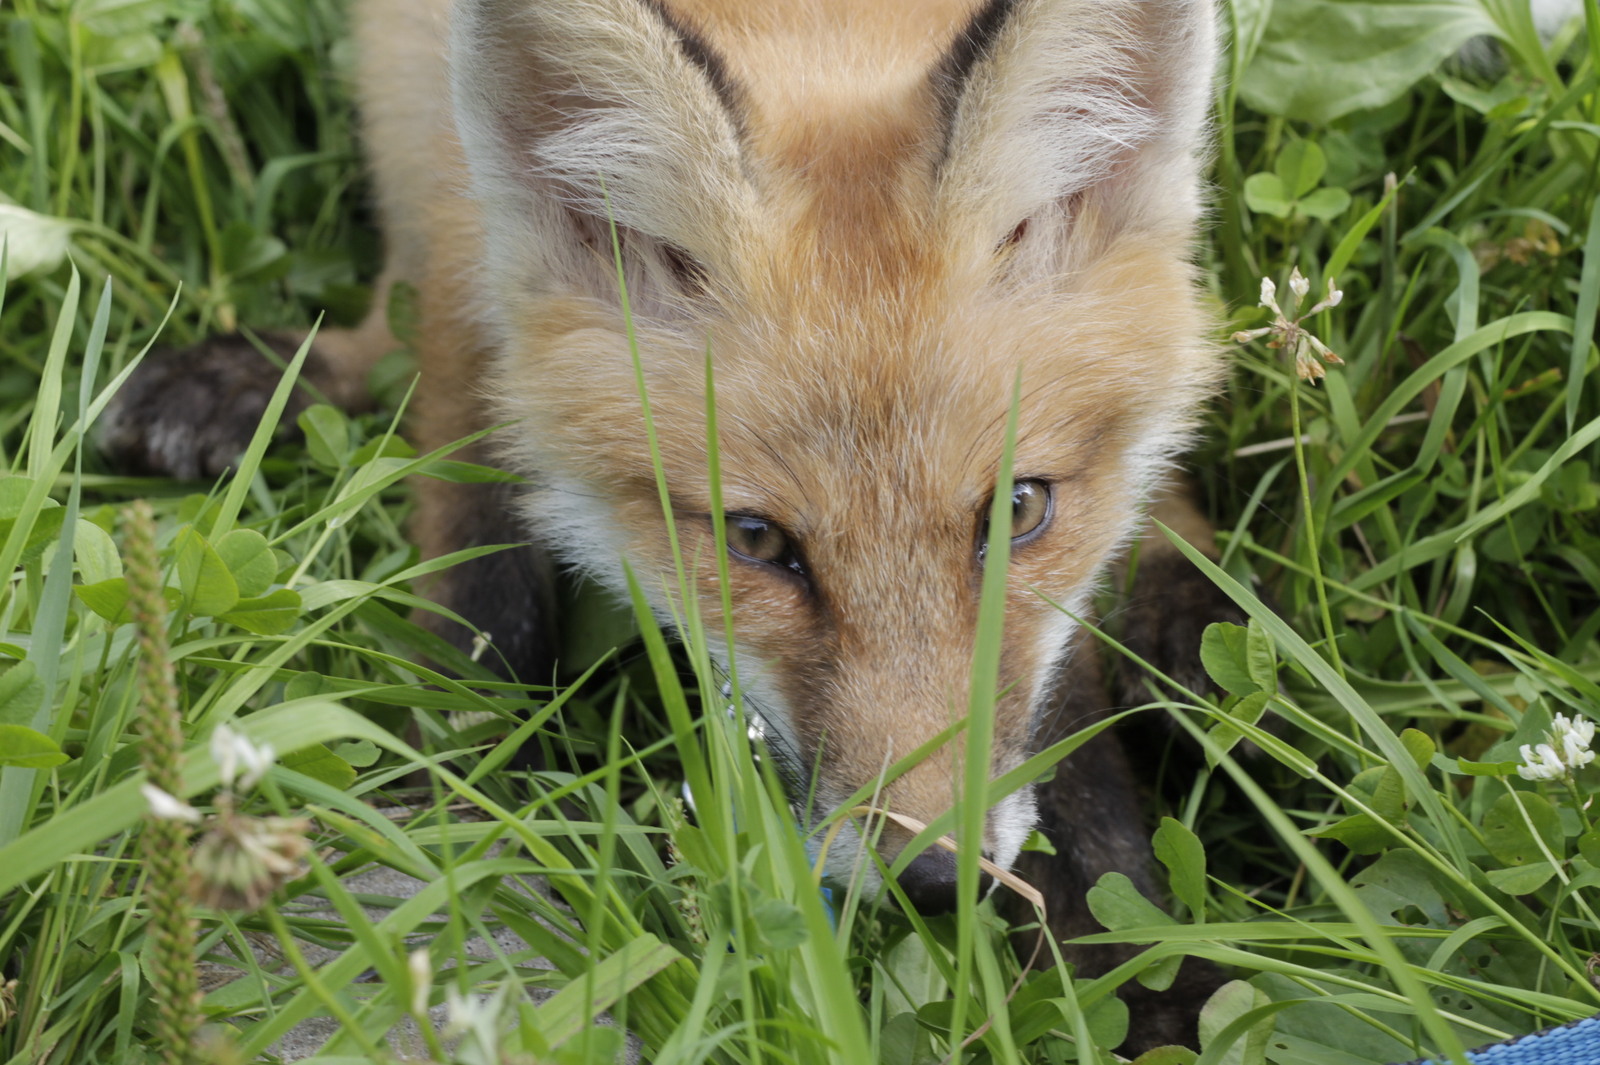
<point>877,219</point>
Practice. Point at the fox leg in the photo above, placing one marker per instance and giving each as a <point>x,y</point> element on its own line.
<point>1167,602</point>
<point>189,413</point>
<point>1092,811</point>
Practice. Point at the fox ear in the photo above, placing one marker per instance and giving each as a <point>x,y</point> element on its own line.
<point>1082,117</point>
<point>574,114</point>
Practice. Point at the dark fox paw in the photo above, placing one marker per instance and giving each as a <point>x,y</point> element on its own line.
<point>190,413</point>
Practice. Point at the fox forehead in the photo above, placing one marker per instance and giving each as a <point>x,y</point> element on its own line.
<point>795,61</point>
<point>836,105</point>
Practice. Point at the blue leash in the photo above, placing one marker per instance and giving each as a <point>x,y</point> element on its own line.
<point>1577,1043</point>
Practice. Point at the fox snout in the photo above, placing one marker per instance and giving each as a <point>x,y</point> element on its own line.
<point>863,685</point>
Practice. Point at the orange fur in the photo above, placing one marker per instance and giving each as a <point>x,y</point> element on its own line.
<point>871,274</point>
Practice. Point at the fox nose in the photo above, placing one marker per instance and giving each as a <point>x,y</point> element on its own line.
<point>930,882</point>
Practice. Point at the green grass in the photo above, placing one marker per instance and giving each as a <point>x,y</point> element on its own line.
<point>1426,524</point>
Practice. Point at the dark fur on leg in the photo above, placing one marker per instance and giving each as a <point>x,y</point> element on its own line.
<point>508,595</point>
<point>1092,814</point>
<point>189,413</point>
<point>1162,620</point>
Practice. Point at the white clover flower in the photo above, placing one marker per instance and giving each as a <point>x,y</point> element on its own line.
<point>1286,329</point>
<point>421,979</point>
<point>1541,763</point>
<point>1298,284</point>
<point>474,1014</point>
<point>230,749</point>
<point>1575,735</point>
<point>1269,297</point>
<point>1572,735</point>
<point>166,807</point>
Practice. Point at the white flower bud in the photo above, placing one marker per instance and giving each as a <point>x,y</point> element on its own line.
<point>421,979</point>
<point>166,807</point>
<point>1298,284</point>
<point>230,749</point>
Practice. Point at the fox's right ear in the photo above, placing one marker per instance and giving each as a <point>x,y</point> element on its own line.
<point>1072,121</point>
<point>577,113</point>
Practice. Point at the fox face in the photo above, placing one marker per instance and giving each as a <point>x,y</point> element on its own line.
<point>879,223</point>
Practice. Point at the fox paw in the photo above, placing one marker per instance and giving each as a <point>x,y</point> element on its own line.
<point>190,413</point>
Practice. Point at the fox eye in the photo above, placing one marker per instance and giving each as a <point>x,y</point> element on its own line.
<point>1030,507</point>
<point>760,540</point>
<point>1030,511</point>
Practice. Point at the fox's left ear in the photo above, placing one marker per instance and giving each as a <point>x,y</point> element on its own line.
<point>1078,118</point>
<point>574,114</point>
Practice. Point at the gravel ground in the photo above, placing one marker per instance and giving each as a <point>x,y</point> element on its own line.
<point>312,1036</point>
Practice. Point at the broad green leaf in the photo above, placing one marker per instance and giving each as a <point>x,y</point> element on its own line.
<point>96,553</point>
<point>249,559</point>
<point>208,586</point>
<point>268,615</point>
<point>1319,59</point>
<point>305,685</point>
<point>402,312</point>
<point>1484,100</point>
<point>1261,658</point>
<point>902,1041</point>
<point>110,55</point>
<point>21,692</point>
<point>14,490</point>
<point>1118,905</point>
<point>1362,833</point>
<point>1265,194</point>
<point>1227,1004</point>
<point>327,433</point>
<point>1397,882</point>
<point>1300,166</point>
<point>1506,833</point>
<point>1181,851</point>
<point>27,749</point>
<point>1224,735</point>
<point>1324,204</point>
<point>320,764</point>
<point>1419,745</point>
<point>1521,879</point>
<point>359,753</point>
<point>1589,846</point>
<point>392,447</point>
<point>109,599</point>
<point>1225,655</point>
<point>1108,1021</point>
<point>112,17</point>
<point>1038,841</point>
<point>1383,790</point>
<point>1171,1055</point>
<point>1486,769</point>
<point>1161,975</point>
<point>46,529</point>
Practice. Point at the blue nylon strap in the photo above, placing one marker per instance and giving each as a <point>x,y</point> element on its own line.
<point>1577,1043</point>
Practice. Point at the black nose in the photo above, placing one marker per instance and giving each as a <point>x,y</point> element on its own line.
<point>930,882</point>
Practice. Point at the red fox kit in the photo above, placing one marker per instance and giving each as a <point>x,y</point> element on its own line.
<point>876,217</point>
